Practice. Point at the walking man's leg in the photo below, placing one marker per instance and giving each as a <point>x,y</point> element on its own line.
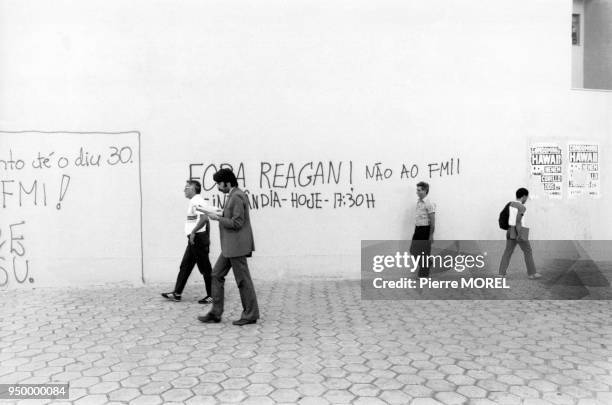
<point>505,260</point>
<point>250,309</point>
<point>189,260</point>
<point>528,253</point>
<point>204,266</point>
<point>222,267</point>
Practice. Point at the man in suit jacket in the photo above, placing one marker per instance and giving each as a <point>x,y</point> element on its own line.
<point>236,245</point>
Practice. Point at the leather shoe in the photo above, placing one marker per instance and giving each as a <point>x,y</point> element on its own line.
<point>208,318</point>
<point>171,296</point>
<point>241,322</point>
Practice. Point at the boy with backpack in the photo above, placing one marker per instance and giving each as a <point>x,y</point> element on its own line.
<point>512,219</point>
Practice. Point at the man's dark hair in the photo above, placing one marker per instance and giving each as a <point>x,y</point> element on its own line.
<point>424,186</point>
<point>197,187</point>
<point>521,192</point>
<point>225,176</point>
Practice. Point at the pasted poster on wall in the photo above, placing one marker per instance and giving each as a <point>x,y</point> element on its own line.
<point>583,169</point>
<point>546,169</point>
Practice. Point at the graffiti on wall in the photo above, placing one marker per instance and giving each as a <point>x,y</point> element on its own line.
<point>50,182</point>
<point>316,185</point>
<point>14,264</point>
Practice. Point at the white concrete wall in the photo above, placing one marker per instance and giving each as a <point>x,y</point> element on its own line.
<point>362,81</point>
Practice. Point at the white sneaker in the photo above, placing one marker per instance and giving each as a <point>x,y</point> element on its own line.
<point>535,275</point>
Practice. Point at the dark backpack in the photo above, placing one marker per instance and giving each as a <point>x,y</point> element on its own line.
<point>504,216</point>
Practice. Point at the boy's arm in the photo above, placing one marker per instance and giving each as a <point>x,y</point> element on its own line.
<point>432,224</point>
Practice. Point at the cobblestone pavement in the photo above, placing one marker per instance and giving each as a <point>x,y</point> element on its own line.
<point>317,343</point>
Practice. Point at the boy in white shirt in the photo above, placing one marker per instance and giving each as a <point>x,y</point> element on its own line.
<point>424,227</point>
<point>197,229</point>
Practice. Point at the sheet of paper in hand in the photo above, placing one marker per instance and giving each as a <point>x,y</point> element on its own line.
<point>209,209</point>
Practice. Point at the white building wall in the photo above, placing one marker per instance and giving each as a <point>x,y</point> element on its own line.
<point>274,81</point>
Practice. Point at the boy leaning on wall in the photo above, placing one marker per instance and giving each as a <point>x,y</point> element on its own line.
<point>424,226</point>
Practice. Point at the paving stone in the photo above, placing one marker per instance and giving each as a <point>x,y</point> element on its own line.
<point>558,398</point>
<point>536,401</point>
<point>176,395</point>
<point>505,398</point>
<point>285,382</point>
<point>135,381</point>
<point>231,396</point>
<point>235,383</point>
<point>460,379</point>
<point>285,395</point>
<point>156,387</point>
<point>92,400</point>
<point>84,382</point>
<point>485,401</point>
<point>258,400</point>
<point>339,396</point>
<point>364,390</point>
<point>368,401</point>
<point>471,391</point>
<point>310,378</point>
<point>257,390</point>
<point>451,398</point>
<point>440,385</point>
<point>395,397</point>
<point>409,376</point>
<point>543,385</point>
<point>104,387</point>
<point>524,392</point>
<point>206,389</point>
<point>124,394</point>
<point>360,378</point>
<point>147,400</point>
<point>425,401</point>
<point>96,371</point>
<point>590,401</point>
<point>492,385</point>
<point>115,376</point>
<point>261,378</point>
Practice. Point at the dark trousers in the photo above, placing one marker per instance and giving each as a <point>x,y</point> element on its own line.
<point>527,252</point>
<point>421,245</point>
<point>250,309</point>
<point>195,254</point>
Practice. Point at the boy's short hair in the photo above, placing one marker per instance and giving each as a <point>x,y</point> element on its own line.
<point>522,192</point>
<point>424,186</point>
<point>197,187</point>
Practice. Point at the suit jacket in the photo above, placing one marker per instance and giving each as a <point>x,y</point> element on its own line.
<point>235,226</point>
